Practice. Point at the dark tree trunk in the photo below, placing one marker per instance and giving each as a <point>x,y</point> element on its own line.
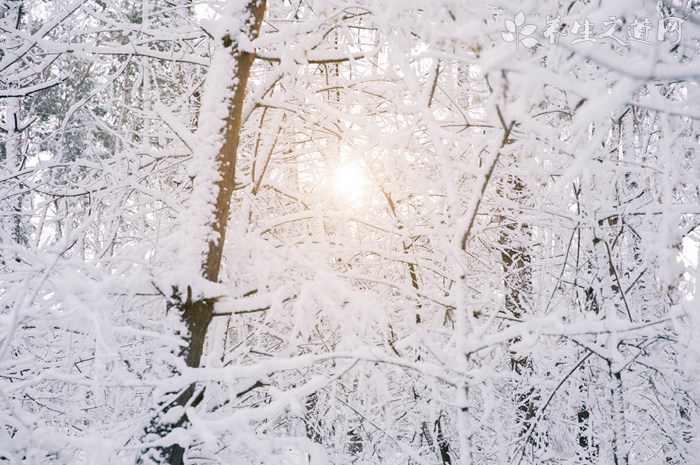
<point>197,314</point>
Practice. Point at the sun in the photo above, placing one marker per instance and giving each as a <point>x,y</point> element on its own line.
<point>349,181</point>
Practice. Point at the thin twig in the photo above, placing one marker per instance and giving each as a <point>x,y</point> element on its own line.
<point>506,134</point>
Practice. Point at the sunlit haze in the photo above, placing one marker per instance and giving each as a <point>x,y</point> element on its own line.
<point>349,182</point>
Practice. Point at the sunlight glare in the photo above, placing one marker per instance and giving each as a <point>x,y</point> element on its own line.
<point>349,182</point>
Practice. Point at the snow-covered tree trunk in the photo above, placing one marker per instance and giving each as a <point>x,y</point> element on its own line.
<point>213,170</point>
<point>11,202</point>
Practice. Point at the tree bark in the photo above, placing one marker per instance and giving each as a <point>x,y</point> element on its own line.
<point>197,314</point>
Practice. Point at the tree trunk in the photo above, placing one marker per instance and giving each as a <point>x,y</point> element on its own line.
<point>13,135</point>
<point>197,314</point>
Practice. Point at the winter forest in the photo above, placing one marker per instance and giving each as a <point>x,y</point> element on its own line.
<point>372,232</point>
